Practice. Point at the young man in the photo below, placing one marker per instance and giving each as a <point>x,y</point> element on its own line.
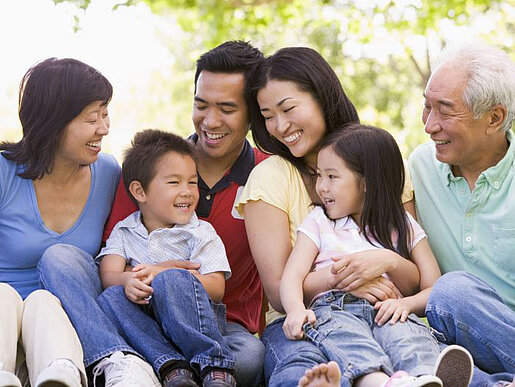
<point>225,159</point>
<point>464,184</point>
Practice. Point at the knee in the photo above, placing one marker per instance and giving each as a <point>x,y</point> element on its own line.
<point>58,257</point>
<point>41,298</point>
<point>112,294</point>
<point>9,297</point>
<point>454,290</point>
<point>172,278</point>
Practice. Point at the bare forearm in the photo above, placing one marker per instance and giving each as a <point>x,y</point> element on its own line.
<point>215,287</point>
<point>418,301</point>
<point>315,283</point>
<point>112,278</point>
<point>404,274</point>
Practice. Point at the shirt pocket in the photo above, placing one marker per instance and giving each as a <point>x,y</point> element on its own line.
<point>504,248</point>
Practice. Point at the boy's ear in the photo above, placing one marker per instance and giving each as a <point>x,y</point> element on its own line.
<point>137,191</point>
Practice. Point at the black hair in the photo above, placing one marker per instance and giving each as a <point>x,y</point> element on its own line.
<point>147,147</point>
<point>234,56</point>
<point>52,93</point>
<point>311,73</point>
<point>374,154</point>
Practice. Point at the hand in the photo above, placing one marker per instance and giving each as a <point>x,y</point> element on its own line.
<point>353,270</point>
<point>138,290</point>
<point>180,264</point>
<point>393,310</point>
<point>145,272</point>
<point>378,289</point>
<point>294,321</point>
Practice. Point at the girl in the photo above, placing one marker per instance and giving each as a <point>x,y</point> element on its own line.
<point>360,178</point>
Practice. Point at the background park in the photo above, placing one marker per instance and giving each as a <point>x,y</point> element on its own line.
<point>382,50</point>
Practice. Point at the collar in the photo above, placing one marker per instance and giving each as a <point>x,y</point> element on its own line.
<point>346,223</point>
<point>494,175</point>
<point>133,222</point>
<point>239,171</point>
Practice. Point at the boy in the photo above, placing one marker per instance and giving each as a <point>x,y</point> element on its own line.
<point>159,173</point>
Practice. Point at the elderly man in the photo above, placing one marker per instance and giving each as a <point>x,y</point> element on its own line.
<point>464,182</point>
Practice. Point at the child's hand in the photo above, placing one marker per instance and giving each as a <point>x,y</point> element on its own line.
<point>145,272</point>
<point>294,321</point>
<point>393,309</point>
<point>138,290</point>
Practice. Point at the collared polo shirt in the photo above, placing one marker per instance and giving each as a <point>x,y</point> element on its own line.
<point>243,291</point>
<point>472,231</point>
<point>195,241</point>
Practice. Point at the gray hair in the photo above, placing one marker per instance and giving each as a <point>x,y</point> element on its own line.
<point>490,78</point>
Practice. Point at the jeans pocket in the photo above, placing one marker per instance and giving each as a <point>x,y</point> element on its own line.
<point>418,326</point>
<point>324,325</point>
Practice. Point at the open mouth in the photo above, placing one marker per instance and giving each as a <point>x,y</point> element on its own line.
<point>95,145</point>
<point>441,142</point>
<point>215,136</point>
<point>293,137</point>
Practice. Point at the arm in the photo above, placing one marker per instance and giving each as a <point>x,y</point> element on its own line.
<point>297,267</point>
<point>214,283</point>
<point>269,240</point>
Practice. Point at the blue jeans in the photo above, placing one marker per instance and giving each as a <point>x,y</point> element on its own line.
<point>468,312</point>
<point>345,332</point>
<point>72,276</point>
<point>178,324</point>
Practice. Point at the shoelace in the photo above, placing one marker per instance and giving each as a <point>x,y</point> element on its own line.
<point>114,367</point>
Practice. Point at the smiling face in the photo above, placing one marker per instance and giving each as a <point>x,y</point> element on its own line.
<point>460,139</point>
<point>220,115</point>
<point>82,137</point>
<point>341,189</point>
<point>172,195</point>
<point>293,117</point>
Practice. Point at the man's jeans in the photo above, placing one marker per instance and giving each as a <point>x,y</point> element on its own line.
<point>72,275</point>
<point>468,312</point>
<point>178,324</point>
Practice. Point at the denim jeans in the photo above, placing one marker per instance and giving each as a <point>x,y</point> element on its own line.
<point>468,312</point>
<point>178,324</point>
<point>345,331</point>
<point>72,275</point>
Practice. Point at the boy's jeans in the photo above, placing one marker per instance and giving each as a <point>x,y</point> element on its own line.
<point>468,312</point>
<point>184,326</point>
<point>72,275</point>
<point>346,333</point>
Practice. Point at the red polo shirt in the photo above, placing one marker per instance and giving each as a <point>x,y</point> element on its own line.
<point>243,291</point>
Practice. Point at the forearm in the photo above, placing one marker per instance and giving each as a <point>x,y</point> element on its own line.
<point>112,278</point>
<point>418,301</point>
<point>404,274</point>
<point>315,283</point>
<point>214,285</point>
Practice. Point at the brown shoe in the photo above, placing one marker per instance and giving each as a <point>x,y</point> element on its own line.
<point>218,378</point>
<point>179,377</point>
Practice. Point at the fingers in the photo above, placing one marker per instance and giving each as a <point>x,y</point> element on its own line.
<point>188,265</point>
<point>312,318</point>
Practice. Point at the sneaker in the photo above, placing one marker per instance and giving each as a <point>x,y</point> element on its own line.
<point>179,377</point>
<point>454,366</point>
<point>8,379</point>
<point>403,379</point>
<point>60,373</point>
<point>218,378</point>
<point>125,371</point>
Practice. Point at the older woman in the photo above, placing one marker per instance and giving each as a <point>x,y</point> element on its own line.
<point>55,188</point>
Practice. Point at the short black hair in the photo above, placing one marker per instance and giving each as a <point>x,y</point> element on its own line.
<point>147,147</point>
<point>52,93</point>
<point>233,56</point>
<point>311,73</point>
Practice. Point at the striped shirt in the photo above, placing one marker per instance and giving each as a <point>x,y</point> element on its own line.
<point>195,241</point>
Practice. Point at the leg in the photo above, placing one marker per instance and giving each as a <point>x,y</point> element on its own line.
<point>11,306</point>
<point>183,309</point>
<point>249,353</point>
<point>468,312</point>
<point>286,361</point>
<point>72,275</point>
<point>139,329</point>
<point>410,345</point>
<point>48,335</point>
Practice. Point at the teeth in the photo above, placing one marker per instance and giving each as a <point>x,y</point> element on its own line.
<point>215,136</point>
<point>182,205</point>
<point>441,142</point>
<point>94,144</point>
<point>292,137</point>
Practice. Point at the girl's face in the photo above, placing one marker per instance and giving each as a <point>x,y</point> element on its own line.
<point>293,117</point>
<point>341,189</point>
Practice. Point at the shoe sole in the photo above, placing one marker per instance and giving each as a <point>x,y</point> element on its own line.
<point>454,366</point>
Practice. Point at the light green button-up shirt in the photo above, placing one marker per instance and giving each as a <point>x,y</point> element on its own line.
<point>471,231</point>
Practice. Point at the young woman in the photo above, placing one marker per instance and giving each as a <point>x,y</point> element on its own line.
<point>360,178</point>
<point>299,102</point>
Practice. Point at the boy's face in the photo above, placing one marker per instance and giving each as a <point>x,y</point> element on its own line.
<point>172,195</point>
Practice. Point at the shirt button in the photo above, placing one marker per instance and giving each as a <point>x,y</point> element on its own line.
<point>496,183</point>
<point>208,197</point>
<point>462,192</point>
<point>469,214</point>
<point>468,238</point>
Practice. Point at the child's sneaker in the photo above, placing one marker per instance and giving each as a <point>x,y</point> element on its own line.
<point>61,372</point>
<point>454,366</point>
<point>403,379</point>
<point>179,377</point>
<point>218,378</point>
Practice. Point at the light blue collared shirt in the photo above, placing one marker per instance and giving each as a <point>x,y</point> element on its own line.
<point>471,231</point>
